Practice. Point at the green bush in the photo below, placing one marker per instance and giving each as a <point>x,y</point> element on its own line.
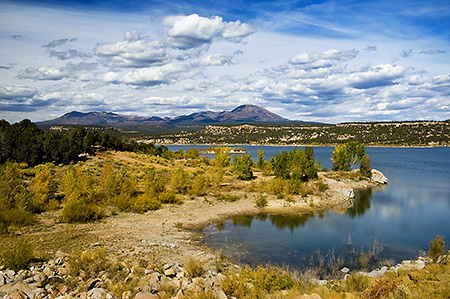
<point>227,197</point>
<point>261,283</point>
<point>200,184</point>
<point>261,202</point>
<point>144,203</point>
<point>437,248</point>
<point>194,267</point>
<point>356,283</point>
<point>81,211</point>
<point>89,262</point>
<point>14,217</point>
<point>168,196</point>
<point>242,167</point>
<point>19,256</point>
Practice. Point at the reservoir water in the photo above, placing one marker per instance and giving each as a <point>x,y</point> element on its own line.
<point>404,216</point>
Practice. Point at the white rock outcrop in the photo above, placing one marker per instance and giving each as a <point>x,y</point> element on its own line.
<point>379,177</point>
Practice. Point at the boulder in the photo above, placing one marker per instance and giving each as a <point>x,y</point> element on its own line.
<point>378,177</point>
<point>97,293</point>
<point>345,270</point>
<point>378,273</point>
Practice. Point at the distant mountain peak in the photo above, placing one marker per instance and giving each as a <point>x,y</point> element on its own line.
<point>240,114</point>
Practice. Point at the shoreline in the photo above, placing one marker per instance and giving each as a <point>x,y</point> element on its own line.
<point>300,145</point>
<point>167,238</point>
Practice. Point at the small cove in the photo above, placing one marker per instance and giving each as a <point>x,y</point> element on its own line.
<point>409,212</point>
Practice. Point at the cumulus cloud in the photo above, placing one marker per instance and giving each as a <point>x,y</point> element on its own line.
<point>151,76</point>
<point>132,52</point>
<point>192,31</point>
<point>82,71</point>
<point>44,73</point>
<point>20,99</point>
<point>58,42</point>
<point>17,92</point>
<point>380,75</point>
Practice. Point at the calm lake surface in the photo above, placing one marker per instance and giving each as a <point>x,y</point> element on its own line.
<point>404,216</point>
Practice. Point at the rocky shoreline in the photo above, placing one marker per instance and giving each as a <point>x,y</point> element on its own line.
<point>53,279</point>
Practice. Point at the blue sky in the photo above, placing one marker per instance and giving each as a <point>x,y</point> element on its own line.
<point>324,61</point>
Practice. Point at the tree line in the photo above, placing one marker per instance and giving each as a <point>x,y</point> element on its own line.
<point>24,142</point>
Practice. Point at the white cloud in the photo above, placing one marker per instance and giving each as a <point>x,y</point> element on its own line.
<point>12,92</point>
<point>380,75</point>
<point>44,73</point>
<point>132,52</point>
<point>81,71</point>
<point>150,76</point>
<point>192,31</point>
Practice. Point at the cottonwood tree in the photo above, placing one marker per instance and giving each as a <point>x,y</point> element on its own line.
<point>346,155</point>
<point>341,158</point>
<point>44,188</point>
<point>222,157</point>
<point>242,167</point>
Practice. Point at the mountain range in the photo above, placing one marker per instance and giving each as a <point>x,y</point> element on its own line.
<point>242,114</point>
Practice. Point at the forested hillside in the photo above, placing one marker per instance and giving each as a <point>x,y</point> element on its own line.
<point>421,133</point>
<point>25,142</point>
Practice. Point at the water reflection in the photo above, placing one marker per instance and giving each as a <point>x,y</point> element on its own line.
<point>290,221</point>
<point>244,221</point>
<point>361,203</point>
<point>360,206</point>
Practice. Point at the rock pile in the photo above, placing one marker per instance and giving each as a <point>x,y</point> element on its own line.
<point>52,279</point>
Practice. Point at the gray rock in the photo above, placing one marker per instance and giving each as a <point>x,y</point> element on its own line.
<point>345,270</point>
<point>170,272</point>
<point>378,273</point>
<point>48,272</point>
<point>221,295</point>
<point>2,280</point>
<point>97,293</point>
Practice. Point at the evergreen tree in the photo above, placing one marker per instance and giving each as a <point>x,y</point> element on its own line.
<point>26,143</point>
<point>364,166</point>
<point>311,167</point>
